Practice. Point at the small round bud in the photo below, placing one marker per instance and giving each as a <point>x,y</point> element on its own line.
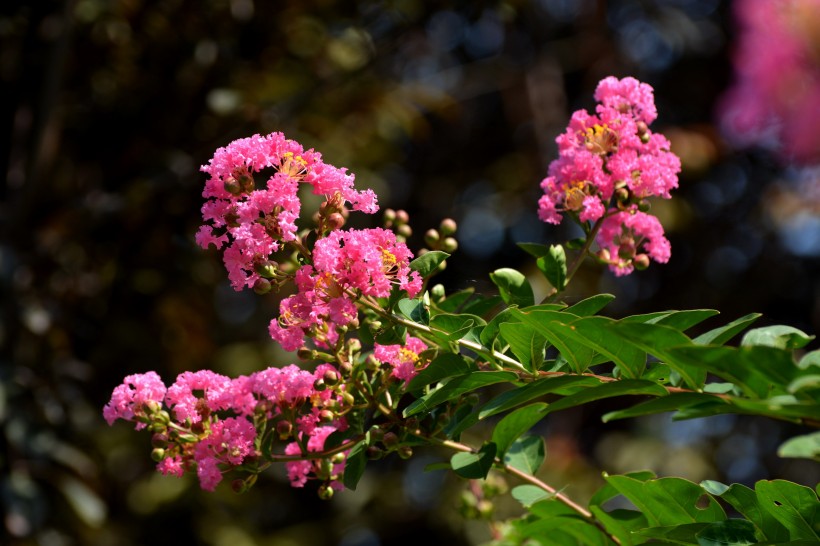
<point>372,363</point>
<point>335,221</point>
<point>262,286</point>
<point>390,440</point>
<point>325,492</point>
<point>338,458</point>
<point>645,138</point>
<point>238,486</point>
<point>284,428</point>
<point>641,127</point>
<point>641,262</point>
<point>485,508</point>
<point>402,217</point>
<point>354,345</point>
<point>376,434</point>
<point>232,186</point>
<point>437,292</point>
<point>159,440</point>
<point>319,384</point>
<point>304,354</point>
<point>622,194</point>
<point>405,452</point>
<point>449,245</point>
<point>389,215</point>
<point>404,230</point>
<point>331,377</point>
<point>348,399</point>
<point>431,237</point>
<point>157,454</point>
<point>246,182</point>
<point>326,416</point>
<point>448,226</point>
<point>266,269</point>
<point>374,453</point>
<point>643,205</point>
<point>604,255</point>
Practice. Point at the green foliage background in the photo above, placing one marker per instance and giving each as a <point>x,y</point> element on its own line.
<point>444,109</point>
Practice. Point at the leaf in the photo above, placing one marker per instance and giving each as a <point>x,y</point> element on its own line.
<point>674,534</point>
<point>670,402</point>
<point>463,418</point>
<point>732,532</point>
<point>554,266</point>
<point>526,454</point>
<point>515,424</point>
<point>609,390</point>
<point>621,523</point>
<point>428,262</point>
<point>591,305</point>
<point>551,324</point>
<point>780,336</point>
<point>481,305</point>
<point>526,344</point>
<point>721,335</point>
<point>658,340</point>
<point>745,501</point>
<point>531,391</point>
<point>474,466</point>
<point>453,327</point>
<point>415,310</point>
<point>446,365</point>
<point>795,506</point>
<point>536,250</point>
<point>513,286</point>
<point>810,359</point>
<point>354,466</point>
<point>452,302</point>
<point>683,320</point>
<point>455,387</point>
<point>805,446</point>
<point>529,494</point>
<point>593,332</point>
<point>668,501</point>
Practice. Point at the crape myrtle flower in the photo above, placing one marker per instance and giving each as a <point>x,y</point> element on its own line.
<point>252,223</point>
<point>404,359</point>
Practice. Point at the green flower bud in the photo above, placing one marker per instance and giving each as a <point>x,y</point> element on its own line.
<point>157,454</point>
<point>448,226</point>
<point>338,458</point>
<point>449,245</point>
<point>402,217</point>
<point>390,440</point>
<point>325,492</point>
<point>232,186</point>
<point>404,230</point>
<point>405,452</point>
<point>374,453</point>
<point>262,286</point>
<point>431,237</point>
<point>641,262</point>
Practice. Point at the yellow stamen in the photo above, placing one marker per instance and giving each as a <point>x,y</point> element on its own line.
<point>600,139</point>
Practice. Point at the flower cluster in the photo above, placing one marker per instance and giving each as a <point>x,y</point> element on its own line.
<point>346,264</point>
<point>255,222</point>
<point>609,163</point>
<point>404,359</point>
<point>775,101</point>
<point>192,432</point>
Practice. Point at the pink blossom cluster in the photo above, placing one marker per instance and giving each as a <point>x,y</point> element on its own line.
<point>254,222</point>
<point>404,359</point>
<point>608,163</point>
<point>346,264</point>
<point>191,429</point>
<point>775,100</point>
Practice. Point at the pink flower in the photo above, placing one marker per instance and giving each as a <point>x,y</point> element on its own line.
<point>252,222</point>
<point>173,466</point>
<point>228,443</point>
<point>628,96</point>
<point>182,395</point>
<point>404,359</point>
<point>289,386</point>
<point>300,471</point>
<point>130,399</point>
<point>624,234</point>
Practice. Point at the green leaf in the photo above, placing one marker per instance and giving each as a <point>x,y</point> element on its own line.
<point>806,446</point>
<point>526,454</point>
<point>531,391</point>
<point>454,327</point>
<point>658,340</point>
<point>455,387</point>
<point>621,523</point>
<point>780,336</point>
<point>721,335</point>
<point>515,424</point>
<point>670,402</point>
<point>795,506</point>
<point>529,494</point>
<point>354,466</point>
<point>446,365</point>
<point>732,532</point>
<point>415,310</point>
<point>810,359</point>
<point>428,262</point>
<point>674,534</point>
<point>526,344</point>
<point>481,305</point>
<point>551,324</point>
<point>594,333</point>
<point>591,305</point>
<point>536,250</point>
<point>609,390</point>
<point>683,320</point>
<point>474,466</point>
<point>554,266</point>
<point>463,418</point>
<point>668,501</point>
<point>513,286</point>
<point>745,501</point>
<point>452,302</point>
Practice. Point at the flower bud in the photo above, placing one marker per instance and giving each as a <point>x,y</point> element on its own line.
<point>402,217</point>
<point>232,186</point>
<point>338,458</point>
<point>604,255</point>
<point>641,262</point>
<point>319,385</point>
<point>374,453</point>
<point>262,286</point>
<point>331,377</point>
<point>159,440</point>
<point>304,354</point>
<point>431,237</point>
<point>622,194</point>
<point>157,454</point>
<point>326,416</point>
<point>266,269</point>
<point>404,230</point>
<point>643,205</point>
<point>642,128</point>
<point>354,345</point>
<point>376,434</point>
<point>448,226</point>
<point>284,429</point>
<point>449,245</point>
<point>405,452</point>
<point>246,182</point>
<point>389,216</point>
<point>437,292</point>
<point>335,221</point>
<point>325,492</point>
<point>390,440</point>
<point>348,399</point>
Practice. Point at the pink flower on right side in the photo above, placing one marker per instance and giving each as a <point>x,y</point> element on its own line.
<point>775,100</point>
<point>608,164</point>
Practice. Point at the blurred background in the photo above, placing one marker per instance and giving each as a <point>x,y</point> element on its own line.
<point>444,109</point>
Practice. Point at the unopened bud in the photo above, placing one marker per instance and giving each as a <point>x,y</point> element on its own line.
<point>389,216</point>
<point>326,416</point>
<point>374,453</point>
<point>335,221</point>
<point>266,269</point>
<point>376,434</point>
<point>331,377</point>
<point>622,194</point>
<point>431,237</point>
<point>641,262</point>
<point>304,354</point>
<point>348,399</point>
<point>262,286</point>
<point>354,345</point>
<point>402,217</point>
<point>157,454</point>
<point>405,452</point>
<point>449,245</point>
<point>159,440</point>
<point>338,458</point>
<point>390,440</point>
<point>246,183</point>
<point>448,226</point>
<point>643,205</point>
<point>372,363</point>
<point>484,508</point>
<point>284,428</point>
<point>641,127</point>
<point>319,384</point>
<point>404,230</point>
<point>604,255</point>
<point>232,186</point>
<point>437,292</point>
<point>325,492</point>
<point>238,486</point>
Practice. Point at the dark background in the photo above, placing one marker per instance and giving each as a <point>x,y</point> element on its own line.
<point>444,109</point>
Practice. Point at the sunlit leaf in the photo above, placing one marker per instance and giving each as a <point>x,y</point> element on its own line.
<point>513,287</point>
<point>474,465</point>
<point>526,454</point>
<point>515,424</point>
